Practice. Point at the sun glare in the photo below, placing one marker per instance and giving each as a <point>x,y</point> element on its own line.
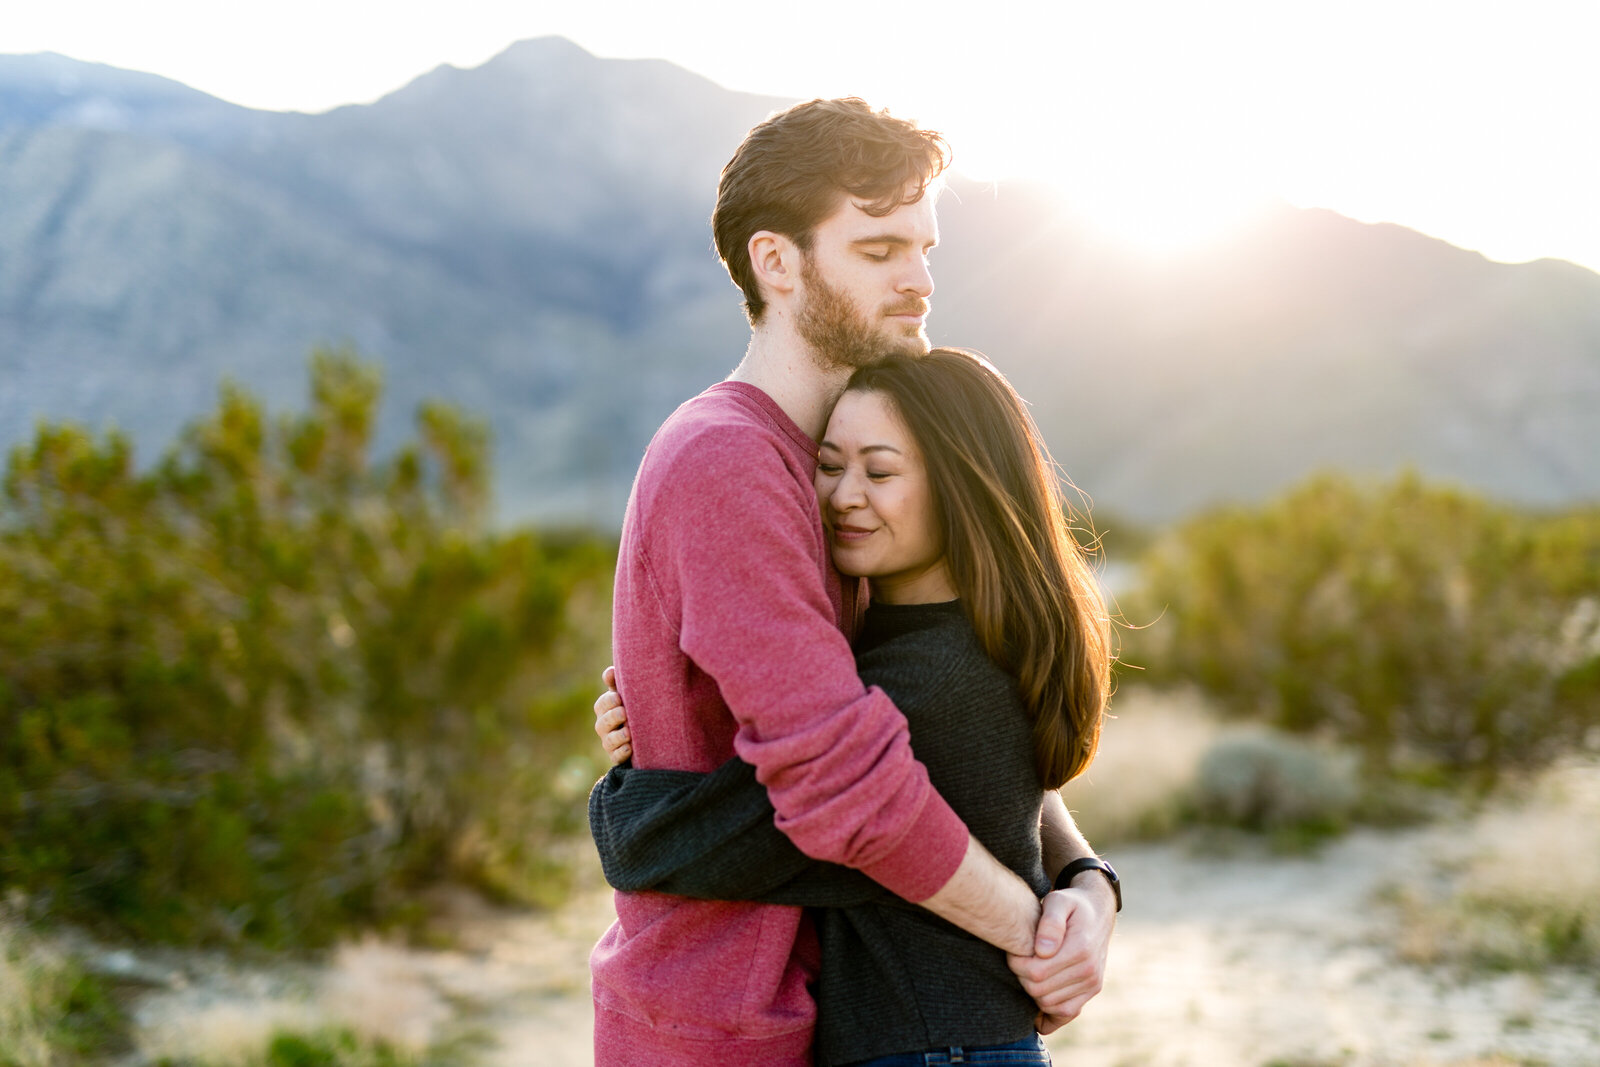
<point>1161,214</point>
<point>1154,182</point>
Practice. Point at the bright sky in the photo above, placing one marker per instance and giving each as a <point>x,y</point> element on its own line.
<point>1474,120</point>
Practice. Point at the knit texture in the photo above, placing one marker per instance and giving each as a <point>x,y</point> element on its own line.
<point>894,977</point>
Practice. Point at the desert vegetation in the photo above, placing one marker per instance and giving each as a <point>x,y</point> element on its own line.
<point>1440,634</point>
<point>282,688</point>
<point>268,689</point>
<point>1378,653</point>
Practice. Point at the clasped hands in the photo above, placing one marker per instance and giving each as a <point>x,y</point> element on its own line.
<point>1070,945</point>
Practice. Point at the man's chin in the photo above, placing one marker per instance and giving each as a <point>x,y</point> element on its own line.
<point>914,345</point>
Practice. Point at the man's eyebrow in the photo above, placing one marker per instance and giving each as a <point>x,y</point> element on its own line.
<point>893,240</point>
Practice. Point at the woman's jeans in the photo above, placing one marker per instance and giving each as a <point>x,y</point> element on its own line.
<point>1030,1051</point>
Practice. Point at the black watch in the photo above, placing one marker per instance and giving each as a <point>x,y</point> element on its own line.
<point>1089,863</point>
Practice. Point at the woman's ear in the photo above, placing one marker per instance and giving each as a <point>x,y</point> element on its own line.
<point>776,261</point>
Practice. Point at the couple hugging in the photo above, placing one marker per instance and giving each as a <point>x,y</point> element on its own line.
<point>857,651</point>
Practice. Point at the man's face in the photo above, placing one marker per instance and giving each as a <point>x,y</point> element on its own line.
<point>866,284</point>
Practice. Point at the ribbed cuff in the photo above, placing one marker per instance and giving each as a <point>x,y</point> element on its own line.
<point>926,856</point>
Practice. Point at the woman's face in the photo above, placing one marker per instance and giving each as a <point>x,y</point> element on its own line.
<point>877,503</point>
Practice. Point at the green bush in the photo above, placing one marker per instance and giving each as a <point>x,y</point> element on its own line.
<point>266,689</point>
<point>1421,624</point>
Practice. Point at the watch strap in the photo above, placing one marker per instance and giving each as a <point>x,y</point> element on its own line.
<point>1090,863</point>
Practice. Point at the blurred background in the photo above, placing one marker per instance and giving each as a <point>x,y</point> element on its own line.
<point>330,338</point>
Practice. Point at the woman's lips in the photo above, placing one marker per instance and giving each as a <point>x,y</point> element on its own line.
<point>850,534</point>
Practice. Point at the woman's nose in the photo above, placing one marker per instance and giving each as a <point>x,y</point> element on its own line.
<point>846,492</point>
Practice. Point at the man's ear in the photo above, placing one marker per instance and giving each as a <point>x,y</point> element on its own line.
<point>776,261</point>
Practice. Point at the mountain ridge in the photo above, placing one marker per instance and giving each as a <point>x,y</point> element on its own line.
<point>529,238</point>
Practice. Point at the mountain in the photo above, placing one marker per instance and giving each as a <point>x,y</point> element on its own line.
<point>529,239</point>
<point>1308,341</point>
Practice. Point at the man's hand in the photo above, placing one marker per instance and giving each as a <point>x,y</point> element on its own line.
<point>1070,946</point>
<point>611,722</point>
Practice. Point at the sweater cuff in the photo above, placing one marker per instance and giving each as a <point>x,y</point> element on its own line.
<point>927,854</point>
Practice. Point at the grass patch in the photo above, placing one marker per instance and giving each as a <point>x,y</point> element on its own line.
<point>287,1048</point>
<point>52,1011</point>
<point>1527,895</point>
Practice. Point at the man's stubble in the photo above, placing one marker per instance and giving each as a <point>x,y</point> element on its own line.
<point>840,335</point>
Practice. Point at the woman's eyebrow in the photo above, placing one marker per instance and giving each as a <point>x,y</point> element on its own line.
<point>827,446</point>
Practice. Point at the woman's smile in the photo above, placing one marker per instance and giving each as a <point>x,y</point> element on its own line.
<point>877,503</point>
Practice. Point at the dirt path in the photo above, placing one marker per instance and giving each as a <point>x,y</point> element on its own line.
<point>1256,959</point>
<point>1243,959</point>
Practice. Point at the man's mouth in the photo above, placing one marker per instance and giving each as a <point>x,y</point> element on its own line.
<point>916,310</point>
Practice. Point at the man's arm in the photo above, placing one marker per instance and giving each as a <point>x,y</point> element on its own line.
<point>1068,964</point>
<point>988,900</point>
<point>834,756</point>
<point>712,836</point>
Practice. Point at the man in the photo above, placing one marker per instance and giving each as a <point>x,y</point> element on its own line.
<point>729,625</point>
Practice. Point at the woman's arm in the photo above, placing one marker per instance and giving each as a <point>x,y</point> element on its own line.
<point>710,836</point>
<point>1059,835</point>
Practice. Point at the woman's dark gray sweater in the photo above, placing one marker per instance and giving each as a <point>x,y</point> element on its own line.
<point>895,977</point>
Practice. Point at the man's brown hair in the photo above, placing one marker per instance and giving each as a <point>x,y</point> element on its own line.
<point>790,171</point>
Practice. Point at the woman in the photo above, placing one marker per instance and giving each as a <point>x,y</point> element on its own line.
<point>988,631</point>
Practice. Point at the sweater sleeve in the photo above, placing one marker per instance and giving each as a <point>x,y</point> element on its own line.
<point>737,536</point>
<point>709,836</point>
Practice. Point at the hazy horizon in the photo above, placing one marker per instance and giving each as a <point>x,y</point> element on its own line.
<point>1163,125</point>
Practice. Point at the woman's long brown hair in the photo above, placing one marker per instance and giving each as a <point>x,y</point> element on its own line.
<point>1021,575</point>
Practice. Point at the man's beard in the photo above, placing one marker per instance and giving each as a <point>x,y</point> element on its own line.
<point>840,336</point>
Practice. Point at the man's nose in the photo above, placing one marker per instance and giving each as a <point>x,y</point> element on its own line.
<point>918,279</point>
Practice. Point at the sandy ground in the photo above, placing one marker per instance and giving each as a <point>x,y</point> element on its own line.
<point>1256,959</point>
<point>1239,959</point>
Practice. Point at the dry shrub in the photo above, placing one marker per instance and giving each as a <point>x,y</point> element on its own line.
<point>1528,894</point>
<point>1261,779</point>
<point>1141,783</point>
<point>30,980</point>
<point>372,1006</point>
<point>1166,761</point>
<point>225,1030</point>
<point>51,1010</point>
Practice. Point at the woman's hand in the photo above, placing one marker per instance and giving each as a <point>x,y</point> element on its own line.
<point>1069,962</point>
<point>611,721</point>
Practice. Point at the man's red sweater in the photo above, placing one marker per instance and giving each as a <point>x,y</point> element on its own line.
<point>728,638</point>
